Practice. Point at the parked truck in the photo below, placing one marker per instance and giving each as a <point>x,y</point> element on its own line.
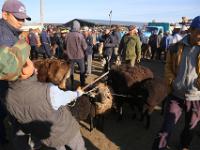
<point>164,25</point>
<point>155,27</point>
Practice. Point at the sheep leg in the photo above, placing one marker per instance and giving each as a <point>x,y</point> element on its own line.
<point>142,117</point>
<point>163,105</point>
<point>148,119</point>
<point>120,113</point>
<point>72,82</point>
<point>91,123</point>
<point>100,124</point>
<point>141,112</point>
<point>119,105</point>
<point>133,108</point>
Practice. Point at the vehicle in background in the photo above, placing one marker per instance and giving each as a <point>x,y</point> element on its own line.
<point>154,27</point>
<point>164,25</point>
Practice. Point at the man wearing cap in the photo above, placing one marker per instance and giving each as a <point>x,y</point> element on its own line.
<point>14,53</point>
<point>130,47</point>
<point>13,17</point>
<point>89,49</point>
<point>182,74</point>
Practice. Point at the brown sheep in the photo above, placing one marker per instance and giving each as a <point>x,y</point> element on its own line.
<point>53,70</point>
<point>138,87</point>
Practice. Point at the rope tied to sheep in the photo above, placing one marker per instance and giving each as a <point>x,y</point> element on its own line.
<point>129,96</point>
<point>87,86</point>
<point>73,103</point>
<point>122,95</point>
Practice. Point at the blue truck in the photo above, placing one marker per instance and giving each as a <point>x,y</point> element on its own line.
<point>155,27</point>
<point>160,25</point>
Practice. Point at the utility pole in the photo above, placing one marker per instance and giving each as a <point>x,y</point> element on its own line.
<point>41,13</point>
<point>110,17</point>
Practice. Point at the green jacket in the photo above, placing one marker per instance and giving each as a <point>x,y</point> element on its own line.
<point>130,47</point>
<point>12,59</point>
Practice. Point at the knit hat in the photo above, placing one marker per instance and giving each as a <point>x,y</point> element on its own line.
<point>16,8</point>
<point>85,28</point>
<point>76,26</point>
<point>195,23</point>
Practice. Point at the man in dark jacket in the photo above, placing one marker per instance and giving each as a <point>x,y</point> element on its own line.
<point>108,43</point>
<point>89,49</point>
<point>75,49</point>
<point>33,43</point>
<point>46,43</point>
<point>117,39</point>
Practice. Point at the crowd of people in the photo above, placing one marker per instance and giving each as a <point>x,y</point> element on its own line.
<point>180,50</point>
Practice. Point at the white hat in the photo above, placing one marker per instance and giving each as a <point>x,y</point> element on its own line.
<point>85,28</point>
<point>184,28</point>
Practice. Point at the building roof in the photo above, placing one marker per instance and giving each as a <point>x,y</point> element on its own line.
<point>93,22</point>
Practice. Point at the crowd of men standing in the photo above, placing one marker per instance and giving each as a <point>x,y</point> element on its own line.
<point>80,43</point>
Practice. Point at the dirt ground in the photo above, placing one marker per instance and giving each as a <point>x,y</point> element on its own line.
<point>128,134</point>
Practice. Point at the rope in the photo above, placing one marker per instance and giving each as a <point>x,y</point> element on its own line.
<point>86,93</point>
<point>122,95</point>
<point>129,96</point>
<point>73,103</point>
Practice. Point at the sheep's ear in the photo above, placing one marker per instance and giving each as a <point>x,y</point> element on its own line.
<point>42,73</point>
<point>65,72</point>
<point>53,71</point>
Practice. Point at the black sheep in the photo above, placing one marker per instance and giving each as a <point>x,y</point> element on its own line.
<point>93,105</point>
<point>136,86</point>
<point>147,95</point>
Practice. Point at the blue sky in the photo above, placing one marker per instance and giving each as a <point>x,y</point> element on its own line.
<point>61,11</point>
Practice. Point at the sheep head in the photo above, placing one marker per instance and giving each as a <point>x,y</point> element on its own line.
<point>53,70</point>
<point>103,98</point>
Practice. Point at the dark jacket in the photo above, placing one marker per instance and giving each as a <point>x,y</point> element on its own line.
<point>8,34</point>
<point>32,39</point>
<point>29,102</point>
<point>75,45</point>
<point>116,38</point>
<point>108,44</point>
<point>89,49</point>
<point>45,39</point>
